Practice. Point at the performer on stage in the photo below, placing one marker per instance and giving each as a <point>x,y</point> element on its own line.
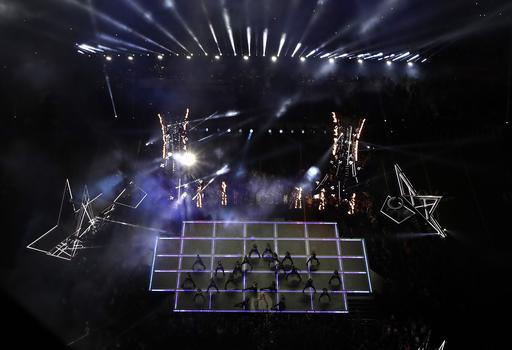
<point>199,194</point>
<point>231,279</point>
<point>267,253</point>
<point>199,262</point>
<point>324,294</point>
<point>237,270</point>
<point>245,263</point>
<point>199,296</point>
<point>254,250</point>
<point>223,193</point>
<point>244,304</point>
<point>219,267</point>
<point>280,306</point>
<point>272,288</point>
<point>310,264</point>
<point>212,284</point>
<point>294,272</point>
<point>335,276</point>
<point>287,257</point>
<point>309,284</point>
<point>188,279</point>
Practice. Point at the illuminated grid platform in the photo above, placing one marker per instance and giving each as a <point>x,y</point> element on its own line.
<point>230,241</point>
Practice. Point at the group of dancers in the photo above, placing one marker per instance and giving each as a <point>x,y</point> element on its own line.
<point>240,269</point>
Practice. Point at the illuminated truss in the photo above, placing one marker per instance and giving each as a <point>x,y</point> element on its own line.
<point>70,234</point>
<point>174,141</point>
<point>409,203</point>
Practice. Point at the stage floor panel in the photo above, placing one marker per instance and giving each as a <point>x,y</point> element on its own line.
<point>175,262</point>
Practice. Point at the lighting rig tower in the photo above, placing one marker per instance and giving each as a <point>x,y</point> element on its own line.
<point>344,161</point>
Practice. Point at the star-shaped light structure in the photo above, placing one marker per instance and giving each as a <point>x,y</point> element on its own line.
<point>409,203</point>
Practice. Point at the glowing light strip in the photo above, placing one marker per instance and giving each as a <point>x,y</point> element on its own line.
<point>342,272</point>
<point>153,264</point>
<point>296,49</point>
<point>228,28</point>
<point>281,43</point>
<point>366,263</point>
<point>238,255</point>
<point>261,271</point>
<point>401,56</point>
<point>179,267</point>
<point>265,37</point>
<point>268,311</point>
<point>310,53</point>
<point>306,243</point>
<point>249,39</point>
<point>276,250</point>
<point>215,38</point>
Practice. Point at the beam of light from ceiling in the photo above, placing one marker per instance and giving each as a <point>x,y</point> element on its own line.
<point>249,40</point>
<point>107,80</point>
<point>172,6</point>
<point>227,22</point>
<point>148,17</point>
<point>210,25</point>
<point>281,43</point>
<point>106,18</point>
<point>317,11</point>
<point>296,49</point>
<point>265,37</point>
<point>113,40</point>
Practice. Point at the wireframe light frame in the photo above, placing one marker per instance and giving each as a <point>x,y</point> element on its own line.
<point>243,237</point>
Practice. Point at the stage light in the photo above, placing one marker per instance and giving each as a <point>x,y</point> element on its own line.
<point>310,53</point>
<point>217,57</point>
<point>160,57</point>
<point>265,36</point>
<point>303,59</point>
<point>270,131</point>
<point>296,49</point>
<point>251,131</point>
<point>189,57</point>
<point>249,40</point>
<point>360,61</point>
<point>130,58</point>
<point>206,129</point>
<point>186,159</point>
<point>410,64</point>
<point>281,44</point>
<point>108,58</point>
<point>280,131</point>
<point>227,22</point>
<point>246,57</point>
<point>274,59</point>
<point>229,130</point>
<point>331,60</point>
<point>302,131</point>
<point>388,63</point>
<point>312,173</point>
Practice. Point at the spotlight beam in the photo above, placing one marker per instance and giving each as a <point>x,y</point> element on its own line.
<point>265,37</point>
<point>227,22</point>
<point>180,19</point>
<point>148,17</point>
<point>296,49</point>
<point>249,40</point>
<point>281,43</point>
<point>119,25</point>
<point>211,27</point>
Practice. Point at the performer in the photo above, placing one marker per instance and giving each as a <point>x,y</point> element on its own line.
<point>253,288</point>
<point>280,306</point>
<point>188,279</point>
<point>309,262</point>
<point>309,284</point>
<point>254,250</point>
<point>298,198</point>
<point>231,279</point>
<point>335,276</point>
<point>212,284</point>
<point>321,205</point>
<point>199,194</point>
<point>287,257</point>
<point>244,264</point>
<point>272,288</point>
<point>294,272</point>
<point>219,267</point>
<point>244,304</point>
<point>324,294</point>
<point>199,262</point>
<point>276,264</point>
<point>223,193</point>
<point>267,253</point>
<point>199,295</point>
<point>237,270</point>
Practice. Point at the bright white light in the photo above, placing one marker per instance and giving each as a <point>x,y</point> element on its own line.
<point>265,36</point>
<point>410,64</point>
<point>108,58</point>
<point>232,113</point>
<point>274,59</point>
<point>186,159</point>
<point>303,59</point>
<point>189,57</point>
<point>246,57</point>
<point>325,55</point>
<point>270,131</point>
<point>388,63</point>
<point>229,130</point>
<point>223,170</point>
<point>249,40</point>
<point>217,57</point>
<point>160,57</point>
<point>214,37</point>
<point>331,60</point>
<point>281,43</point>
<point>310,53</point>
<point>312,173</point>
<point>280,131</point>
<point>296,49</point>
<point>360,61</point>
<point>227,22</point>
<point>251,131</point>
<point>130,58</point>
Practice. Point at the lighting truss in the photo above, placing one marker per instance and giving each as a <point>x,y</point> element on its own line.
<point>400,208</point>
